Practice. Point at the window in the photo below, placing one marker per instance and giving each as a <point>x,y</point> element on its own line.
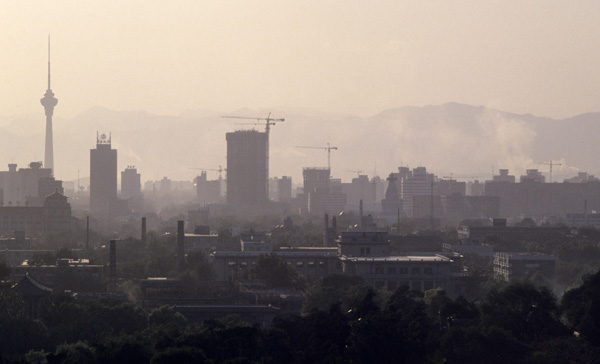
<point>391,270</point>
<point>403,270</point>
<point>368,251</point>
<point>231,264</point>
<point>378,270</point>
<point>427,285</point>
<point>299,264</point>
<point>362,251</point>
<point>311,264</point>
<point>379,284</point>
<point>416,270</point>
<point>428,270</point>
<point>244,264</point>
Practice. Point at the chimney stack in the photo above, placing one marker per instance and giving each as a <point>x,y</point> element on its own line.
<point>143,238</point>
<point>326,232</point>
<point>180,246</point>
<point>112,267</point>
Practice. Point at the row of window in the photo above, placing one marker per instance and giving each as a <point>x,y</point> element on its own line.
<point>302,264</point>
<point>404,270</point>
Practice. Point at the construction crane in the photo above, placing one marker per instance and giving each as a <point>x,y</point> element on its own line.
<point>329,148</point>
<point>454,176</point>
<point>268,122</point>
<point>357,171</point>
<point>220,170</point>
<point>551,163</point>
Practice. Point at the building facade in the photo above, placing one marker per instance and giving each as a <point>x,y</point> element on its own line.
<point>103,176</point>
<point>247,168</point>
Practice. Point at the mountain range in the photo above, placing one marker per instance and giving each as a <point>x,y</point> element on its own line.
<point>462,140</point>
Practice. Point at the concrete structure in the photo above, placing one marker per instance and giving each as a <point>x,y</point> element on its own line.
<point>103,177</point>
<point>76,275</point>
<point>515,265</point>
<point>363,253</point>
<point>504,177</point>
<point>49,102</point>
<point>367,254</point>
<point>53,217</point>
<point>415,183</point>
<point>27,186</point>
<point>284,189</point>
<point>322,194</point>
<point>509,233</point>
<point>247,169</point>
<point>131,189</point>
<point>207,192</point>
<point>468,246</point>
<point>582,219</point>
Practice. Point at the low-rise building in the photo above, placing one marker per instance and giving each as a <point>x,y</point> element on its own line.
<point>516,265</point>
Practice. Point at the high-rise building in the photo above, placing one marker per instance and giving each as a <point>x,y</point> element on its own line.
<point>131,189</point>
<point>321,192</point>
<point>103,176</point>
<point>49,102</point>
<point>284,189</point>
<point>207,191</point>
<point>131,185</point>
<point>247,169</point>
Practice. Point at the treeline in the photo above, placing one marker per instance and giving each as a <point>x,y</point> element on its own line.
<point>343,321</point>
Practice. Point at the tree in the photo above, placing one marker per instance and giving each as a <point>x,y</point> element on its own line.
<point>530,314</point>
<point>76,353</point>
<point>345,289</point>
<point>276,272</point>
<point>581,307</point>
<point>165,315</point>
<point>181,356</point>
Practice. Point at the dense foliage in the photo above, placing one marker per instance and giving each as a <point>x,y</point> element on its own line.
<point>344,321</point>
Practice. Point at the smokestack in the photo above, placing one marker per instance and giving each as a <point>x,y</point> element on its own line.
<point>112,266</point>
<point>87,233</point>
<point>180,248</point>
<point>143,231</point>
<point>334,227</point>
<point>360,209</point>
<point>326,232</point>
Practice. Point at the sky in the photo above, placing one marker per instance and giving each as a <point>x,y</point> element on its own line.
<point>350,57</point>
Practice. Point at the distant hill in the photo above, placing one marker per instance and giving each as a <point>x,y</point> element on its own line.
<point>449,138</point>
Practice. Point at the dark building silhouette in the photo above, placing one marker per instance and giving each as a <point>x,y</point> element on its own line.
<point>247,169</point>
<point>103,176</point>
<point>207,191</point>
<point>53,217</point>
<point>321,194</point>
<point>131,188</point>
<point>49,102</point>
<point>391,205</point>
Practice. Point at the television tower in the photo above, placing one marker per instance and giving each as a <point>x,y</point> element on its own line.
<point>49,102</point>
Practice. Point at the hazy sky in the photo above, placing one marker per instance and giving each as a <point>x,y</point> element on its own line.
<point>356,57</point>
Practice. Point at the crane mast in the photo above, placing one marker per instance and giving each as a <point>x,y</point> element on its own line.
<point>329,148</point>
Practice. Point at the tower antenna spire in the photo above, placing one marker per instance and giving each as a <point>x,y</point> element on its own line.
<point>49,62</point>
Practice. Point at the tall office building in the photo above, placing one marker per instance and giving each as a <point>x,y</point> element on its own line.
<point>247,169</point>
<point>103,176</point>
<point>131,189</point>
<point>131,185</point>
<point>49,102</point>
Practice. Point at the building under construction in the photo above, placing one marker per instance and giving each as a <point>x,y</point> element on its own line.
<point>247,169</point>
